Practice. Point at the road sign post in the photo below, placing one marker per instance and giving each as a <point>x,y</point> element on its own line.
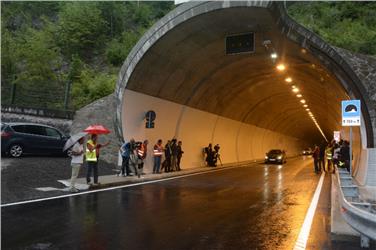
<point>351,117</point>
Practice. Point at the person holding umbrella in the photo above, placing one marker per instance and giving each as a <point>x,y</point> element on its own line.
<point>77,155</point>
<point>92,151</point>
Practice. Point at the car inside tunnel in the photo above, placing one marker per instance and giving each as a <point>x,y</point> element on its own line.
<point>274,94</point>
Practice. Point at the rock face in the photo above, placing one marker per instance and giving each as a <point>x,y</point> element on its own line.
<point>102,112</point>
<point>365,68</point>
<point>64,125</point>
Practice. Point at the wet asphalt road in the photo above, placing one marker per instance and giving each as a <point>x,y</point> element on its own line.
<point>256,207</point>
<point>20,177</point>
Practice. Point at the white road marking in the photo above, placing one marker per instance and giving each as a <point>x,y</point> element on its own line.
<point>79,186</point>
<point>119,187</point>
<point>306,228</point>
<point>46,189</point>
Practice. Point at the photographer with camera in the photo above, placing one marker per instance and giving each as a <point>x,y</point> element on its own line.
<point>141,152</point>
<point>133,157</point>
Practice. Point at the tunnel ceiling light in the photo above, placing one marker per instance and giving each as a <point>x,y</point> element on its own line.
<point>273,55</point>
<point>295,89</point>
<point>288,79</point>
<point>281,67</point>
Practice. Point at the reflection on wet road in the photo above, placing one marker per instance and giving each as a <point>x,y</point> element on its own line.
<point>255,207</point>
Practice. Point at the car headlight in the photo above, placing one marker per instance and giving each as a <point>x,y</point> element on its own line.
<point>279,157</point>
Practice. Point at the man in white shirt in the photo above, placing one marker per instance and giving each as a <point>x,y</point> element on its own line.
<point>77,161</point>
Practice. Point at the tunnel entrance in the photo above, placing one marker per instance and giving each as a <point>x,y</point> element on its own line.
<point>285,93</point>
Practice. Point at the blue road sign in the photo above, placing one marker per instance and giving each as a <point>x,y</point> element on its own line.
<point>351,113</point>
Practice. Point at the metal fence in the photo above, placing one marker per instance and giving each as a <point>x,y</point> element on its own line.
<point>51,113</point>
<point>40,97</point>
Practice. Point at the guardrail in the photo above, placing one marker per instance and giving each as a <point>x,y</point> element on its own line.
<point>52,113</point>
<point>357,213</point>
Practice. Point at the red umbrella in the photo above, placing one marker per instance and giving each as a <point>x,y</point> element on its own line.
<point>97,129</point>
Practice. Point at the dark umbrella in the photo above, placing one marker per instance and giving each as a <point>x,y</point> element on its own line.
<point>73,139</point>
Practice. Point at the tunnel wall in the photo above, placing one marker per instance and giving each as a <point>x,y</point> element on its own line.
<point>239,141</point>
<point>294,31</point>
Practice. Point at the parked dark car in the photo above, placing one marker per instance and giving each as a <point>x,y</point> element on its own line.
<point>28,138</point>
<point>275,155</point>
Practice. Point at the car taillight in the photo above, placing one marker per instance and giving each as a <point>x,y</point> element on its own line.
<point>5,134</point>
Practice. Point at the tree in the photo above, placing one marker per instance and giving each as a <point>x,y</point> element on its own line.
<point>350,25</point>
<point>118,49</point>
<point>90,86</point>
<point>81,29</point>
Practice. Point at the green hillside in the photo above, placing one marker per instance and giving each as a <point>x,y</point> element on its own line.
<point>49,46</point>
<point>349,25</point>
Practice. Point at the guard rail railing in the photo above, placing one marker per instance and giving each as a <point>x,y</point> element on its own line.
<point>359,214</point>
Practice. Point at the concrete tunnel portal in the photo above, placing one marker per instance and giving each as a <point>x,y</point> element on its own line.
<point>201,94</point>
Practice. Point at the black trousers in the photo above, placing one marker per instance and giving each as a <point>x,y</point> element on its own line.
<point>92,166</point>
<point>125,166</point>
<point>316,164</point>
<point>168,164</point>
<point>178,163</point>
<point>322,164</point>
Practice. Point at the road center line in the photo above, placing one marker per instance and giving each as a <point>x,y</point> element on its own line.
<point>306,228</point>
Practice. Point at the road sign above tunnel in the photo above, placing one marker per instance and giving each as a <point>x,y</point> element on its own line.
<point>240,43</point>
<point>351,113</point>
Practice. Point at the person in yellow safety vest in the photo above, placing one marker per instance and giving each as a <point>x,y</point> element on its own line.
<point>329,157</point>
<point>92,156</point>
<point>157,152</point>
<point>142,152</point>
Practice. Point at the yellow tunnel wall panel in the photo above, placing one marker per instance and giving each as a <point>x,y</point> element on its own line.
<point>195,128</point>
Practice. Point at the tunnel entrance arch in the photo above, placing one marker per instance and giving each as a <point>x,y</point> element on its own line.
<point>181,60</point>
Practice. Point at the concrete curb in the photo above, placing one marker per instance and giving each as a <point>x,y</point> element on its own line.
<point>114,180</point>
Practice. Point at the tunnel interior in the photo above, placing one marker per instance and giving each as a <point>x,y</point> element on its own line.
<point>188,66</point>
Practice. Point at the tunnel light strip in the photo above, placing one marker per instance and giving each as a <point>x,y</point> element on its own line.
<point>295,89</point>
<point>301,243</point>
